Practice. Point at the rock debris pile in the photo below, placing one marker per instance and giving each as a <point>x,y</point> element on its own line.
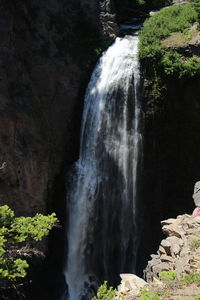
<point>177,252</point>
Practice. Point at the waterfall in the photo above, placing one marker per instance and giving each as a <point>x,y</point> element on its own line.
<point>102,227</point>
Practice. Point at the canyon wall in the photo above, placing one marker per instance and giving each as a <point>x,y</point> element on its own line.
<point>171,161</point>
<point>47,51</point>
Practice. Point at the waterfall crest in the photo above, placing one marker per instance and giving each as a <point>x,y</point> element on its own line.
<point>102,198</point>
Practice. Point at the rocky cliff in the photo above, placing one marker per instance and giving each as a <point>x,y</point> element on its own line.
<point>180,250</point>
<point>172,273</point>
<point>171,159</point>
<point>46,52</point>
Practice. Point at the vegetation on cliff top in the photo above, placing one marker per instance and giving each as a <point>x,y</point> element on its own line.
<point>168,286</point>
<point>173,19</point>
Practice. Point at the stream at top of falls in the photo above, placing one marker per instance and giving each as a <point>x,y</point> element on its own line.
<point>102,206</point>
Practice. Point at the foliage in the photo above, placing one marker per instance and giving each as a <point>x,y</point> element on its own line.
<point>158,88</point>
<point>196,5</point>
<point>104,292</point>
<point>150,295</point>
<point>177,18</point>
<point>174,64</point>
<point>171,282</point>
<point>167,276</point>
<point>15,235</point>
<point>192,277</point>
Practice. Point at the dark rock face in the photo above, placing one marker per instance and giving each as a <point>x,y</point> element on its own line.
<point>47,51</point>
<point>43,69</point>
<point>125,9</point>
<point>171,156</point>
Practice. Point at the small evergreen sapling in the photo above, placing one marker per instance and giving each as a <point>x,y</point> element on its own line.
<point>16,234</point>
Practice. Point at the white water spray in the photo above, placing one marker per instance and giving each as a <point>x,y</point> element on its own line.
<point>102,199</point>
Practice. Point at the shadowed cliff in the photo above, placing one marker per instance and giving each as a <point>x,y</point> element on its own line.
<point>47,51</point>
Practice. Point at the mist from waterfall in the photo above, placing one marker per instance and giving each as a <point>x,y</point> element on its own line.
<point>102,227</point>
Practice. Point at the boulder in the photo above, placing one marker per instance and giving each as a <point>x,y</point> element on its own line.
<point>176,244</point>
<point>181,264</point>
<point>175,240</point>
<point>166,258</point>
<point>168,222</point>
<point>175,252</point>
<point>173,230</point>
<point>163,266</point>
<point>167,246</point>
<point>154,261</point>
<point>161,250</point>
<point>194,222</point>
<point>157,282</point>
<point>131,283</point>
<point>196,195</point>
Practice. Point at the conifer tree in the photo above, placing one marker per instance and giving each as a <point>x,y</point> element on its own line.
<point>16,236</point>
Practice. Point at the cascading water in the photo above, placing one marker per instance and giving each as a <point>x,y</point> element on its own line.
<point>102,199</point>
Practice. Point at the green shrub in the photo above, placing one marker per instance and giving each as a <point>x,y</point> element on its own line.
<point>149,295</point>
<point>174,19</point>
<point>196,5</point>
<point>104,292</point>
<point>175,65</point>
<point>167,276</point>
<point>197,298</point>
<point>16,234</point>
<point>192,277</point>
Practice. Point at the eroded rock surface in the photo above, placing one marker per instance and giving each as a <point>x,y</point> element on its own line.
<point>177,252</point>
<point>46,53</point>
<point>130,285</point>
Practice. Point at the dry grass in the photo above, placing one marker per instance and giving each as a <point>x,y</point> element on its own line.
<point>178,39</point>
